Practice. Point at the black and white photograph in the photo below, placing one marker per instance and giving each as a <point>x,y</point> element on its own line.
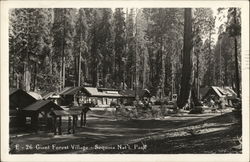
<point>126,80</point>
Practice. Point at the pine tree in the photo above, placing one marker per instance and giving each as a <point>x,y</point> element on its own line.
<point>80,46</point>
<point>119,44</point>
<point>63,33</point>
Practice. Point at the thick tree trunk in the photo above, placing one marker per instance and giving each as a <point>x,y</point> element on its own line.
<point>237,79</point>
<point>198,79</point>
<point>186,79</point>
<point>63,52</point>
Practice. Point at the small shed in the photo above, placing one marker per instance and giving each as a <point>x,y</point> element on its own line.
<point>37,114</point>
<point>18,99</point>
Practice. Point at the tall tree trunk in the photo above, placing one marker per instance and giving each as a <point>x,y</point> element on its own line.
<point>97,74</point>
<point>79,61</point>
<point>144,72</point>
<point>76,69</point>
<point>104,73</point>
<point>237,79</point>
<point>198,79</point>
<point>186,79</point>
<point>63,52</point>
<point>136,61</point>
<point>86,72</point>
<point>210,72</point>
<point>161,85</point>
<point>60,74</point>
<point>35,78</point>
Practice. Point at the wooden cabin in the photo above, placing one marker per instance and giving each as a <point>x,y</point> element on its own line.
<point>18,100</point>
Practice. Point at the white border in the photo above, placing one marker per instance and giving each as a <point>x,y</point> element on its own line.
<point>5,5</point>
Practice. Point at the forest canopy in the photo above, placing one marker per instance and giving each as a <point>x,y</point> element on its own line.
<point>123,48</point>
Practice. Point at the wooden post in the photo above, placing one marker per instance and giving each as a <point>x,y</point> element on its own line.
<point>54,125</point>
<point>74,124</point>
<point>81,118</point>
<point>60,126</point>
<point>76,120</point>
<point>69,125</point>
<point>85,119</point>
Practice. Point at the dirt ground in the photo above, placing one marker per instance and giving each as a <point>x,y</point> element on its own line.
<point>185,133</point>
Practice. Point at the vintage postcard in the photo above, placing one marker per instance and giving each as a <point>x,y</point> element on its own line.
<point>124,81</point>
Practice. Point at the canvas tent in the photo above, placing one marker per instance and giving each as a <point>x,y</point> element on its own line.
<point>225,94</point>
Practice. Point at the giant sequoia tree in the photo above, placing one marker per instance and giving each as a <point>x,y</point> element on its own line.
<point>186,79</point>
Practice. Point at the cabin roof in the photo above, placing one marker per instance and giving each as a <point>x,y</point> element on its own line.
<point>65,112</point>
<point>19,98</point>
<point>35,95</point>
<point>42,104</point>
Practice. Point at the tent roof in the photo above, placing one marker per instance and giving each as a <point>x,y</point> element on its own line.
<point>94,92</point>
<point>41,104</point>
<point>223,91</point>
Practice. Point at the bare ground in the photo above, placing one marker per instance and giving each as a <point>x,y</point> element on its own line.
<point>176,134</point>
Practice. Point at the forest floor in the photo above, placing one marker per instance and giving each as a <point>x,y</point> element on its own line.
<point>105,134</point>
